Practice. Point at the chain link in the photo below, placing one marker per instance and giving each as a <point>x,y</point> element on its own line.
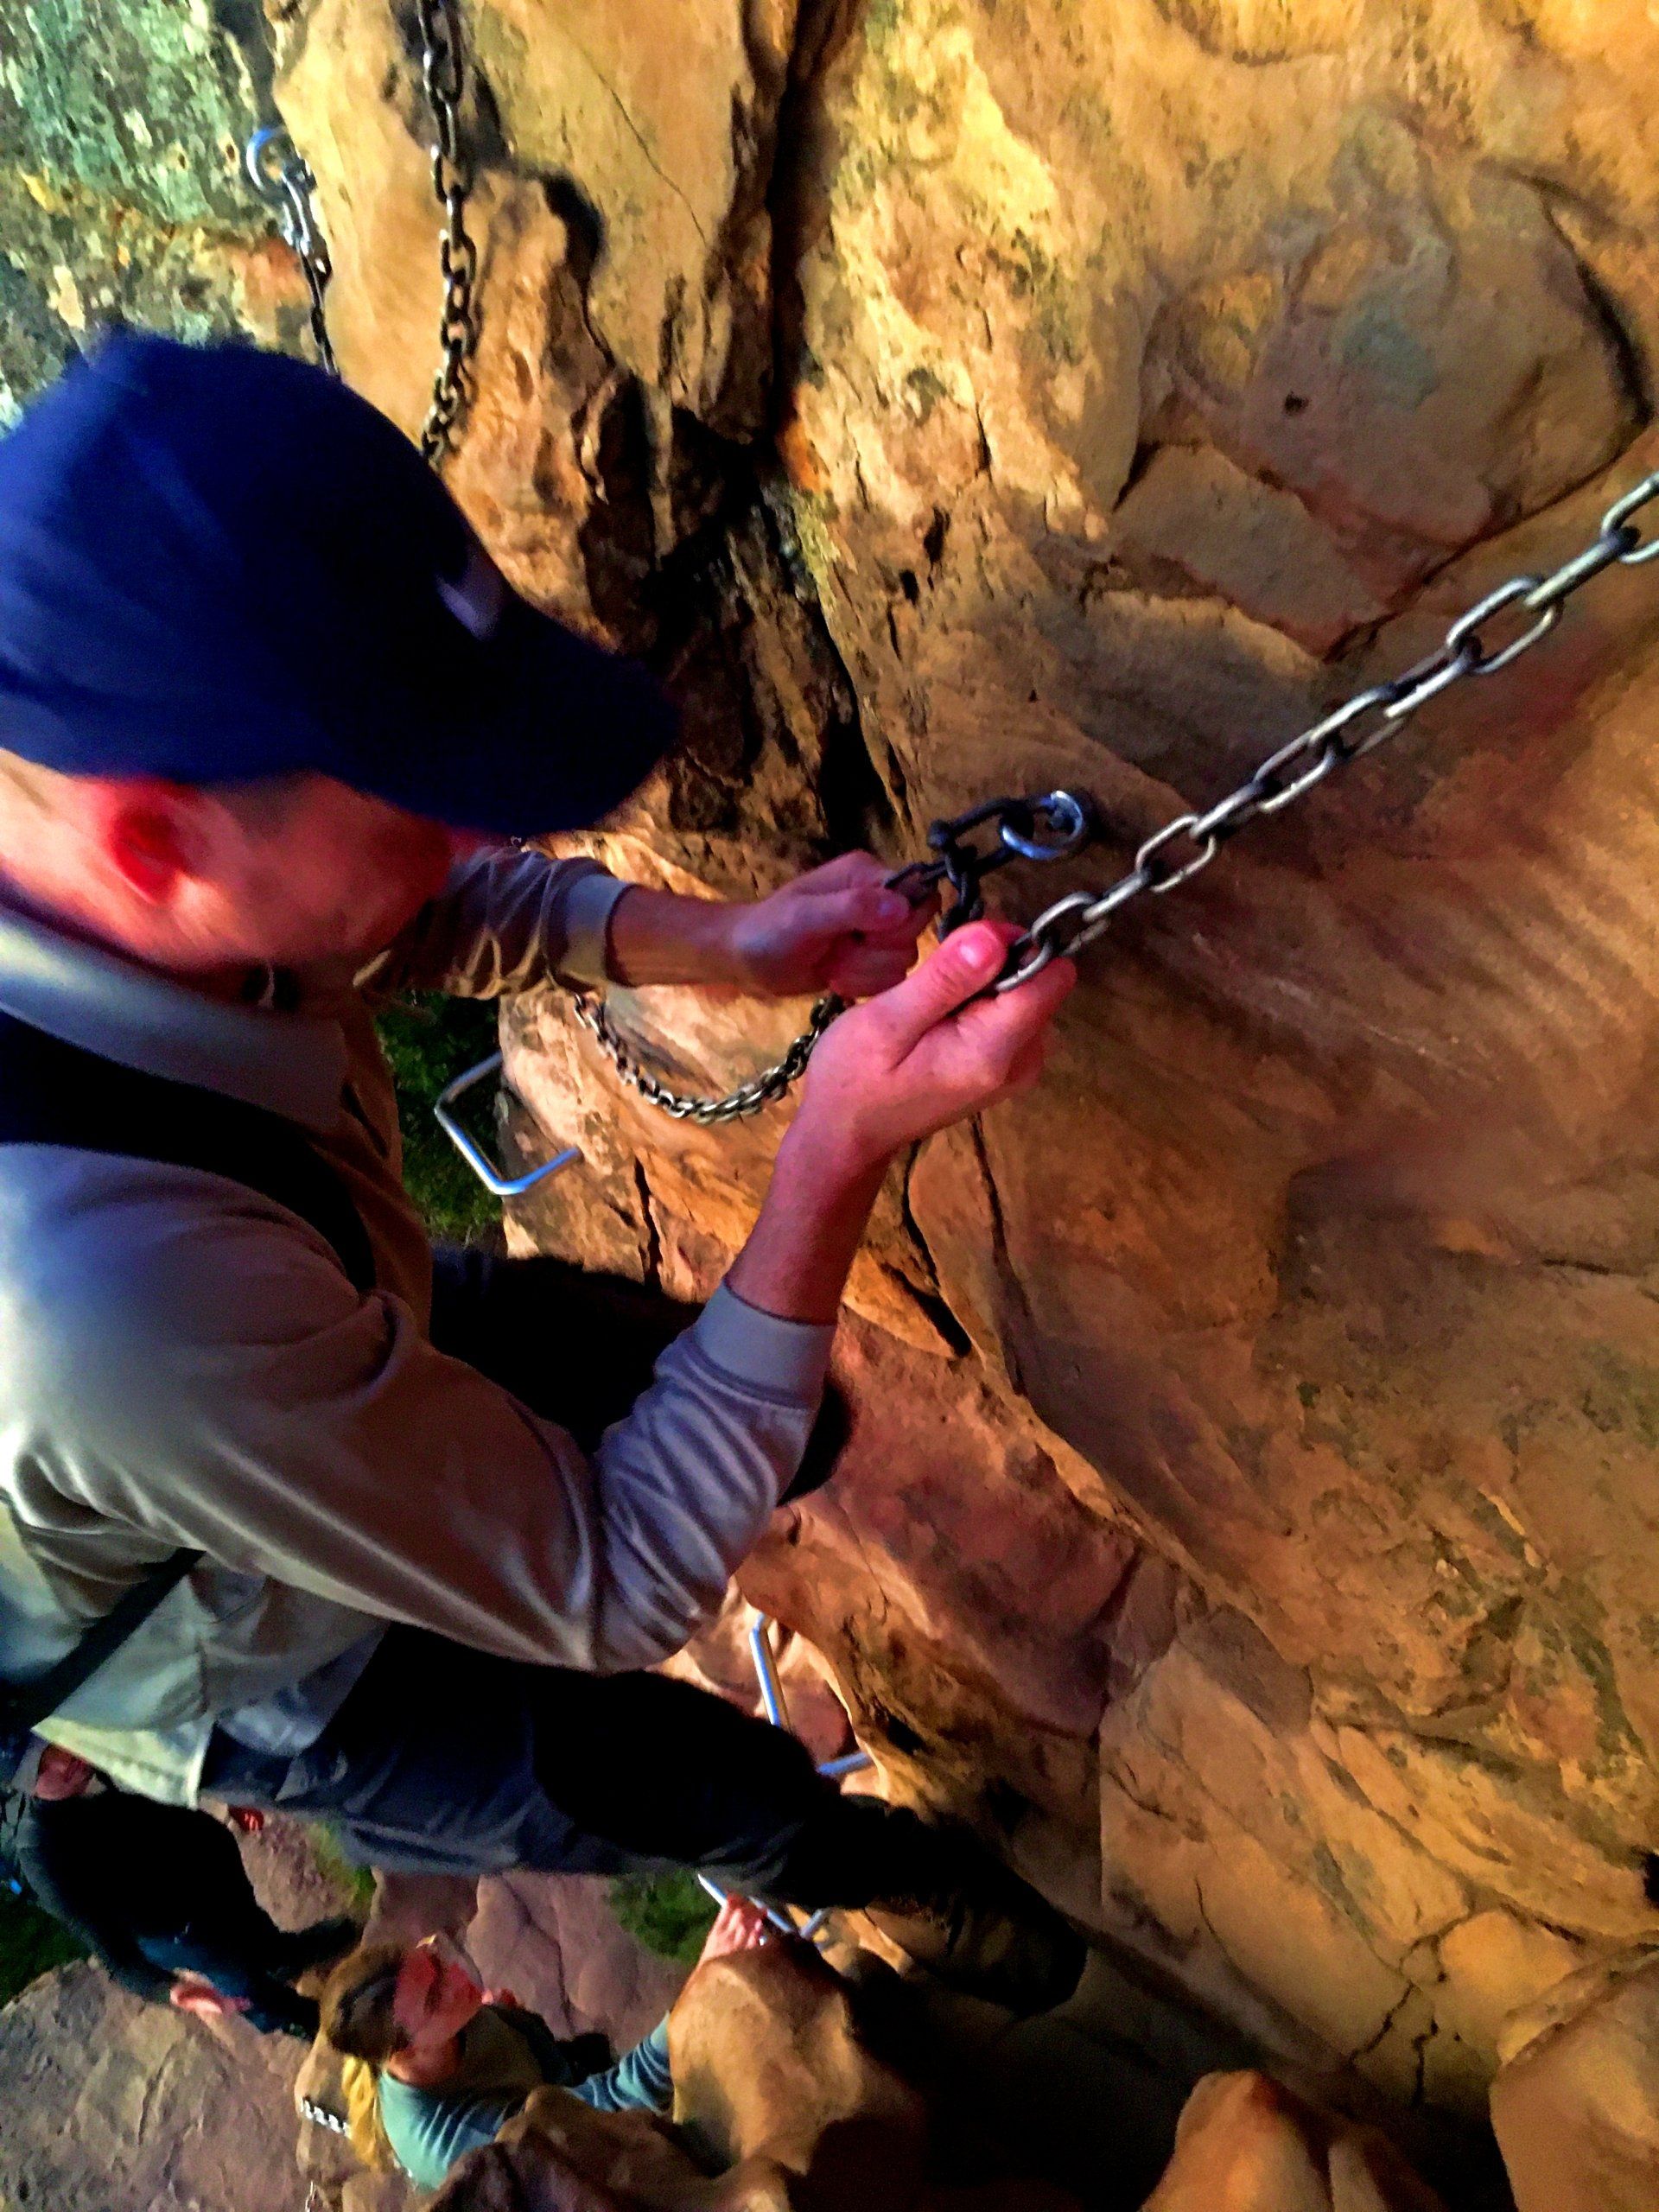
<point>320,2116</point>
<point>1047,827</point>
<point>283,178</point>
<point>1050,827</point>
<point>1177,851</point>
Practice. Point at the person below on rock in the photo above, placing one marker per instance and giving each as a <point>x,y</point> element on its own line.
<point>159,1895</point>
<point>447,2062</point>
<point>271,717</point>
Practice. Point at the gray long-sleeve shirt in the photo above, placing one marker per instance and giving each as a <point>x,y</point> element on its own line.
<point>183,1361</point>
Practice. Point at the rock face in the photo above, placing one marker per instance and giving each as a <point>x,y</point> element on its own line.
<point>1576,2105</point>
<point>1249,1519</point>
<point>122,193</point>
<point>1245,2144</point>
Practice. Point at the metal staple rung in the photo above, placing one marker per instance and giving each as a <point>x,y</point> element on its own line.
<point>500,1185</point>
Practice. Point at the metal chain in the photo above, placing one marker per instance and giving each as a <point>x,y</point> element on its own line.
<point>1171,856</point>
<point>1177,851</point>
<point>283,178</point>
<point>707,1113</point>
<point>320,2116</point>
<point>452,181</point>
<point>1047,827</point>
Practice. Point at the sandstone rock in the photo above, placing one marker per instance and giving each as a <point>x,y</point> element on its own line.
<point>112,2105</point>
<point>768,2063</point>
<point>122,193</point>
<point>554,1941</point>
<point>1576,2105</point>
<point>1247,2145</point>
<point>776,2084</point>
<point>1249,1522</point>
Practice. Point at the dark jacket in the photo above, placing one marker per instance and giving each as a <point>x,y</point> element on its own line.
<point>117,1869</point>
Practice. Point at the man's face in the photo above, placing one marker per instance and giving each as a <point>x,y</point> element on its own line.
<point>61,1775</point>
<point>332,874</point>
<point>292,873</point>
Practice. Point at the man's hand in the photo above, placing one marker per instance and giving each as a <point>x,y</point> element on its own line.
<point>837,929</point>
<point>925,1053</point>
<point>191,1994</point>
<point>739,1925</point>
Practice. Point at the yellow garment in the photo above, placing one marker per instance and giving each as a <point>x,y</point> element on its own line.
<point>360,2086</point>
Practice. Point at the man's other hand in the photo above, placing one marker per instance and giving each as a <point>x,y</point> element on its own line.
<point>927,1052</point>
<point>191,1994</point>
<point>739,1925</point>
<point>837,929</point>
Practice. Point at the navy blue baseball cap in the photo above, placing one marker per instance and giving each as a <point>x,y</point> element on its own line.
<point>218,564</point>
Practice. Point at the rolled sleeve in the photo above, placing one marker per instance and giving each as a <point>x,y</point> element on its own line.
<point>763,1351</point>
<point>504,921</point>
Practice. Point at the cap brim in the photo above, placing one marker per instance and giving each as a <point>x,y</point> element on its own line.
<point>542,730</point>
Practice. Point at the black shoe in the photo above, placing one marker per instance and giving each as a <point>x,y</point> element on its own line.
<point>984,1932</point>
<point>320,1945</point>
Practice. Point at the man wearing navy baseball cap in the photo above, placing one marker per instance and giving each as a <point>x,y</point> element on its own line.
<point>268,714</point>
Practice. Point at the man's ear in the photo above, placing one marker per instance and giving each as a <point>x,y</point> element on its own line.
<point>149,832</point>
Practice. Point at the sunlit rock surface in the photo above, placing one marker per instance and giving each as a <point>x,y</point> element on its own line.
<point>1249,1519</point>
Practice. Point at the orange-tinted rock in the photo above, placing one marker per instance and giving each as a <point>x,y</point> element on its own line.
<point>1576,2105</point>
<point>1248,1519</point>
<point>768,2063</point>
<point>1246,2144</point>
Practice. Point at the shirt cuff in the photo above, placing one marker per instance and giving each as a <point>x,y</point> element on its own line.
<point>787,1361</point>
<point>587,926</point>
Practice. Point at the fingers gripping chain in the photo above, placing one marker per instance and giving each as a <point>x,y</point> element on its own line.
<point>1048,827</point>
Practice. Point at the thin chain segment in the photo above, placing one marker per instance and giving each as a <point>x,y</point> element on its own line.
<point>708,1113</point>
<point>452,181</point>
<point>1177,851</point>
<point>1051,826</point>
<point>283,178</point>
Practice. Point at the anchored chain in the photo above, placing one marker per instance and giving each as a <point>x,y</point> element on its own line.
<point>320,2116</point>
<point>708,1113</point>
<point>1049,827</point>
<point>283,178</point>
<point>1040,828</point>
<point>452,181</point>
<point>1177,851</point>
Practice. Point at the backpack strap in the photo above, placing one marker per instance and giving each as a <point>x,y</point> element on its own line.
<point>54,1093</point>
<point>23,1708</point>
<point>57,1094</point>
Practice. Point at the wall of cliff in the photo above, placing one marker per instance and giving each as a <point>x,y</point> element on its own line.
<point>1249,1521</point>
